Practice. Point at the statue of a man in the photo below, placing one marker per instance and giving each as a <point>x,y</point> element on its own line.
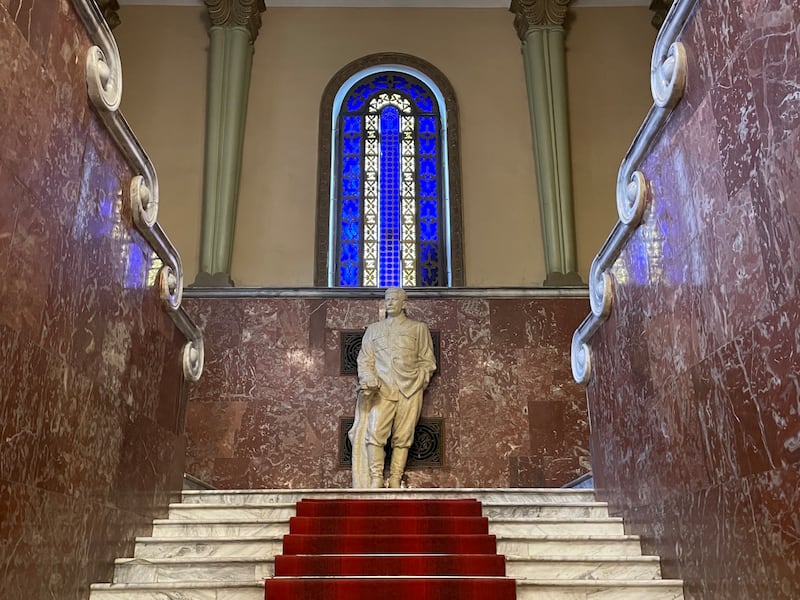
<point>395,364</point>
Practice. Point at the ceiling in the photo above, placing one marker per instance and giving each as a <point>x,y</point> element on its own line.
<point>393,3</point>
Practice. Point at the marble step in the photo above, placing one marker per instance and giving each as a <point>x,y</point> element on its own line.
<point>151,570</point>
<point>234,546</point>
<point>173,570</point>
<point>546,510</point>
<point>226,528</point>
<point>282,511</point>
<point>268,546</point>
<point>228,512</point>
<point>526,590</point>
<point>525,527</point>
<point>518,527</point>
<point>584,567</point>
<point>569,545</point>
<point>505,495</point>
<point>610,589</point>
<point>178,591</point>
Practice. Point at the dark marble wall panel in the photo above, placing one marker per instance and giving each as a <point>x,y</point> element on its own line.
<point>694,399</point>
<point>266,413</point>
<point>92,396</point>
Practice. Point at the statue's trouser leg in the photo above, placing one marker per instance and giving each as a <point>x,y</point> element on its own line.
<point>376,457</point>
<point>379,427</point>
<point>397,466</point>
<point>405,421</point>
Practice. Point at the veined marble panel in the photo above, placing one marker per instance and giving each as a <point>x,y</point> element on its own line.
<point>542,526</point>
<point>497,495</point>
<point>227,512</point>
<point>694,399</point>
<point>577,545</point>
<point>137,570</point>
<point>620,567</point>
<point>250,547</point>
<point>178,591</point>
<point>575,510</point>
<point>612,590</point>
<point>266,413</point>
<point>189,528</point>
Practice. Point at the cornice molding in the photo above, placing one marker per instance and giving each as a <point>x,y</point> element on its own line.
<point>237,13</point>
<point>660,8</point>
<point>529,14</point>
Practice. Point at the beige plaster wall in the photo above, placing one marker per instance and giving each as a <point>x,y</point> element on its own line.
<point>608,78</point>
<point>299,50</point>
<point>297,53</point>
<point>163,52</point>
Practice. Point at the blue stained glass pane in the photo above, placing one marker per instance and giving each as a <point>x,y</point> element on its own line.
<point>426,210</point>
<point>350,215</point>
<point>351,181</point>
<point>427,187</point>
<point>427,124</point>
<point>427,145</point>
<point>427,166</point>
<point>352,124</point>
<point>389,182</point>
<point>348,276</point>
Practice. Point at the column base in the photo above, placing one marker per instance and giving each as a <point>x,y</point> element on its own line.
<point>207,280</point>
<point>558,279</point>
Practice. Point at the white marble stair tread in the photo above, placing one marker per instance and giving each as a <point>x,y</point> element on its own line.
<point>230,568</point>
<point>219,527</point>
<point>543,526</point>
<point>569,545</point>
<point>243,546</point>
<point>218,511</point>
<point>584,567</point>
<point>244,590</point>
<point>510,510</point>
<point>608,589</point>
<point>515,495</point>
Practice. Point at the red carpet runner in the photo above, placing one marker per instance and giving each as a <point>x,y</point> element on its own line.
<point>389,549</point>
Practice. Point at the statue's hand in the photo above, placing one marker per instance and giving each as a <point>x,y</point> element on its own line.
<point>371,385</point>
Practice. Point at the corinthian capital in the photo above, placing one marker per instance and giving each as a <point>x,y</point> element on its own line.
<point>537,13</point>
<point>237,13</point>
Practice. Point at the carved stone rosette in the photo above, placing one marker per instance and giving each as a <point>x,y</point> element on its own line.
<point>538,13</point>
<point>237,13</point>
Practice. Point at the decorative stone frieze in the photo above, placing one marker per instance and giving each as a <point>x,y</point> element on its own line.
<point>237,13</point>
<point>538,13</point>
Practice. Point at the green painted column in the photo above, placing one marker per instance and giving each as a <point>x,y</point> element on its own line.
<point>539,24</point>
<point>234,28</point>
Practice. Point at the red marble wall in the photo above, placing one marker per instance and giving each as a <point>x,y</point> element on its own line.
<point>266,412</point>
<point>695,401</point>
<point>91,441</point>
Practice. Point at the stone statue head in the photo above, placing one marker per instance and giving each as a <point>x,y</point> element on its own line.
<point>395,301</point>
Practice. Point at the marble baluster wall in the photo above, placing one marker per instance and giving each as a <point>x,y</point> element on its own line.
<point>91,387</point>
<point>267,410</point>
<point>694,400</point>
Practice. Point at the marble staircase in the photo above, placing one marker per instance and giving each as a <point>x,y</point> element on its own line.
<point>560,544</point>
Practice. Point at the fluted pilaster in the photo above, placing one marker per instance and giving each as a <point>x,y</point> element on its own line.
<point>540,27</point>
<point>234,28</point>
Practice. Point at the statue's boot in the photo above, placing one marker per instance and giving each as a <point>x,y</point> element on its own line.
<point>397,466</point>
<point>376,457</point>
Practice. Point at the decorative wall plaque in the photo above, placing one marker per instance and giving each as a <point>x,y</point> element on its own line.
<point>426,451</point>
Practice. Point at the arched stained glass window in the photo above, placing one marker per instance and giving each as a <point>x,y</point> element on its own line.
<point>389,191</point>
<point>389,205</point>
